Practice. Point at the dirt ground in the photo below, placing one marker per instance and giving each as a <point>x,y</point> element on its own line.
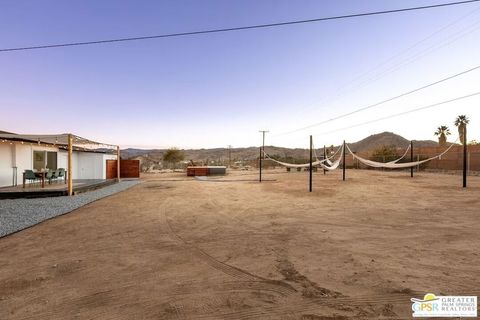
<point>174,247</point>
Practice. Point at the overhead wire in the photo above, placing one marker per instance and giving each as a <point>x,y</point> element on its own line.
<point>446,42</point>
<point>340,91</point>
<point>381,102</point>
<point>250,27</point>
<point>405,112</point>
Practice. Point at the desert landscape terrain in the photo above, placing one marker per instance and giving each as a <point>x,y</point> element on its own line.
<point>174,247</point>
<point>134,136</point>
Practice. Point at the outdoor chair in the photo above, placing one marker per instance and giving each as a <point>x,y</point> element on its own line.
<point>30,176</point>
<point>56,175</point>
<point>49,176</point>
<point>61,173</point>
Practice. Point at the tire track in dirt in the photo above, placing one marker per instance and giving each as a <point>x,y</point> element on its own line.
<point>236,236</point>
<point>360,310</point>
<point>256,231</point>
<point>297,305</point>
<point>231,286</point>
<point>280,287</point>
<point>309,289</point>
<point>316,296</point>
<point>255,312</point>
<point>190,299</point>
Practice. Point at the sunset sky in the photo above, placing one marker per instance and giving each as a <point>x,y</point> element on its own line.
<point>219,89</point>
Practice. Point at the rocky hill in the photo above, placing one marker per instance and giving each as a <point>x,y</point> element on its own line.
<point>387,139</point>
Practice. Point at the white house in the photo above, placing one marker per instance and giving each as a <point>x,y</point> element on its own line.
<point>36,152</point>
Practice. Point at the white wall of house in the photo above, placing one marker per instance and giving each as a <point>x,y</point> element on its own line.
<point>62,159</point>
<point>86,165</point>
<point>23,159</point>
<point>6,164</point>
<point>90,165</point>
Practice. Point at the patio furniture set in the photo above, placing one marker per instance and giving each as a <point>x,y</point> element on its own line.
<point>40,176</point>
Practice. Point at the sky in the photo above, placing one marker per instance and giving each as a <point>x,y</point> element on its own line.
<point>220,89</point>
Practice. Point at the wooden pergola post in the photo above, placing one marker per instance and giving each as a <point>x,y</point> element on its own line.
<point>118,163</point>
<point>70,165</point>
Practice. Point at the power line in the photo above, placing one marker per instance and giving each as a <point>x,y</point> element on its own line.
<point>383,101</point>
<point>405,112</point>
<point>258,26</point>
<point>451,39</point>
<point>342,90</point>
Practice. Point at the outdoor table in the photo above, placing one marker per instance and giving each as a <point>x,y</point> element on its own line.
<point>40,174</point>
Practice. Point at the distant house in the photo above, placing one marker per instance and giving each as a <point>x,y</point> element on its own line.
<point>50,152</point>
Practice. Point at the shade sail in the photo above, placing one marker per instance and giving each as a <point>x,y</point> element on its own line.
<point>60,140</point>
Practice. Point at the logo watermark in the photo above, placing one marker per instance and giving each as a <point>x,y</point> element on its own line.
<point>444,306</point>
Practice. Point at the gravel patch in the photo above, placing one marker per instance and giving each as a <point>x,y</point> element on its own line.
<point>18,214</point>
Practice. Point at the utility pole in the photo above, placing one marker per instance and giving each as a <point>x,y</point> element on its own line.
<point>311,165</point>
<point>260,166</point>
<point>263,141</point>
<point>262,153</point>
<point>229,155</point>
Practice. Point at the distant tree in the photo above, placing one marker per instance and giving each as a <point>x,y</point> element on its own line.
<point>384,154</point>
<point>276,157</point>
<point>173,156</point>
<point>442,133</point>
<point>461,123</point>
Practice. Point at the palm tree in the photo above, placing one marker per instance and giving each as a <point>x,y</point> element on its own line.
<point>442,133</point>
<point>461,122</point>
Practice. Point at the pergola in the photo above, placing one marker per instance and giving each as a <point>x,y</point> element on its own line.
<point>67,141</point>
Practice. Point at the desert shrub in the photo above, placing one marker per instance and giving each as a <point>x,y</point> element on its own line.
<point>384,154</point>
<point>173,156</point>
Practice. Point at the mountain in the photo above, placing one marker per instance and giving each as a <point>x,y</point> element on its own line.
<point>152,158</point>
<point>387,139</point>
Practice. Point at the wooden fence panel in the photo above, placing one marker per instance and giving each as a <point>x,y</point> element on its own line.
<point>111,169</point>
<point>128,169</point>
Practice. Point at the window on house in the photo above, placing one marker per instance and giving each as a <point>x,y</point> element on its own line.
<point>44,160</point>
<point>51,160</point>
<point>39,160</point>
